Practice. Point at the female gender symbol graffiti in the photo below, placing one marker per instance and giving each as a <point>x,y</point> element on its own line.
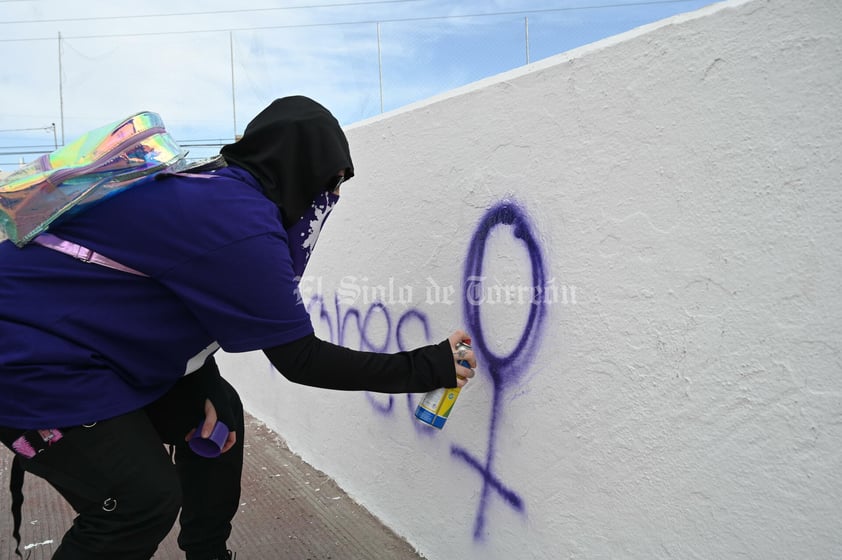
<point>504,370</point>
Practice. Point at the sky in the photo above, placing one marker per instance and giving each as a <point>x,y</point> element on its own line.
<point>207,67</point>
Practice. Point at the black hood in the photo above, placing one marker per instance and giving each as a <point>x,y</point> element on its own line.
<point>294,148</point>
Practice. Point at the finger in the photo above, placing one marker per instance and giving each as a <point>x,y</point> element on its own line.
<point>210,419</point>
<point>464,372</point>
<point>229,443</point>
<point>189,435</point>
<point>457,337</point>
<point>463,375</point>
<point>465,355</point>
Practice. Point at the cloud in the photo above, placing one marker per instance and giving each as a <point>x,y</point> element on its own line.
<point>124,59</point>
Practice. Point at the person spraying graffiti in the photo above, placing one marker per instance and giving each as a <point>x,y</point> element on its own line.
<point>99,367</point>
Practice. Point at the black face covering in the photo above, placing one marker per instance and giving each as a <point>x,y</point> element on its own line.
<point>295,148</point>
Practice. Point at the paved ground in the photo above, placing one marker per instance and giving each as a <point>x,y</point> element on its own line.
<point>289,511</point>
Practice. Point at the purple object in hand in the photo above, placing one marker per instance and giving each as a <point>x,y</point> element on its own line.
<point>212,446</point>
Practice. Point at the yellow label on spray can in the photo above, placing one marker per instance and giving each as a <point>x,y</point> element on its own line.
<point>437,405</point>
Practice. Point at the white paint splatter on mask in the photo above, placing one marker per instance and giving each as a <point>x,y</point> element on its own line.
<point>302,236</point>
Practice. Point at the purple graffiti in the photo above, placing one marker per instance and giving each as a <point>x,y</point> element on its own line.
<point>338,333</point>
<point>412,314</point>
<point>505,370</point>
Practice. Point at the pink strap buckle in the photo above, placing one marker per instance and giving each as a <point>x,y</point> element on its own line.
<point>81,253</point>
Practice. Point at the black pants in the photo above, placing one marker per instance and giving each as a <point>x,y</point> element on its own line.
<point>120,479</point>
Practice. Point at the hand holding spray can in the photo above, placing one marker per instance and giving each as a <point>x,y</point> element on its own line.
<point>436,405</point>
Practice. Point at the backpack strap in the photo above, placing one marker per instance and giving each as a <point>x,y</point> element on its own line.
<point>81,253</point>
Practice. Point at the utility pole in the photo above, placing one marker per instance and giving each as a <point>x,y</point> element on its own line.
<point>60,91</point>
<point>526,36</point>
<point>233,94</point>
<point>380,66</point>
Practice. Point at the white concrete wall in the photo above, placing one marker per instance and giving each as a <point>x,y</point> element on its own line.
<point>680,392</point>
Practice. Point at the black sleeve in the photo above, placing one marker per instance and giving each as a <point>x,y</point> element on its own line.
<point>314,362</point>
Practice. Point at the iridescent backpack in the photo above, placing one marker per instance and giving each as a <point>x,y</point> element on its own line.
<point>99,164</point>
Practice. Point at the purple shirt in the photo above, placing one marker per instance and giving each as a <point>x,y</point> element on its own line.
<point>81,342</point>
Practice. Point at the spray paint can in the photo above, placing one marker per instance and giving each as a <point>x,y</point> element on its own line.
<point>436,405</point>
